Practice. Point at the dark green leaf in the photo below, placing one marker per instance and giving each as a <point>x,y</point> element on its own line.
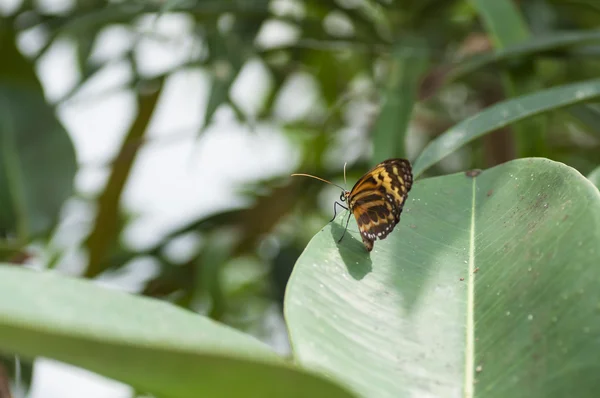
<point>37,158</point>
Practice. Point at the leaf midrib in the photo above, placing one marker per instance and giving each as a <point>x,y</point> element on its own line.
<point>469,388</point>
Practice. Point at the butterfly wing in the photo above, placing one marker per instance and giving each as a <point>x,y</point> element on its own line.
<point>377,199</point>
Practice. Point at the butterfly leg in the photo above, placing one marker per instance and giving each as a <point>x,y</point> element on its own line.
<point>335,204</point>
<point>347,221</point>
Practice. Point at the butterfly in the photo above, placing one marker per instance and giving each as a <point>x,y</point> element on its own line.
<point>376,200</point>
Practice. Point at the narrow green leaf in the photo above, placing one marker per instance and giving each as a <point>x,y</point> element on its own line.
<point>488,287</point>
<point>152,345</point>
<point>507,27</point>
<point>37,157</point>
<point>408,66</point>
<point>594,177</point>
<point>502,114</point>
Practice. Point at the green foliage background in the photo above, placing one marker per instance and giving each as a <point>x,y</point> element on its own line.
<point>456,85</point>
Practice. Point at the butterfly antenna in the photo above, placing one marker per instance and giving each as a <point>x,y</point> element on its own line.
<point>345,184</point>
<point>318,178</point>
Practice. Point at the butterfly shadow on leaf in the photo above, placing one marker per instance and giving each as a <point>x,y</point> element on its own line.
<point>353,252</point>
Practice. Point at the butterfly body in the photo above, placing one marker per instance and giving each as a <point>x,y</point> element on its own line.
<point>378,197</point>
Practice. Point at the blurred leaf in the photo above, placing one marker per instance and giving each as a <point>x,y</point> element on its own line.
<point>369,20</point>
<point>334,71</point>
<point>507,27</point>
<point>154,346</point>
<point>589,115</point>
<point>89,20</point>
<point>89,17</point>
<point>594,177</point>
<point>228,52</point>
<point>84,45</point>
<point>105,233</point>
<point>408,65</point>
<point>488,287</point>
<point>502,114</point>
<point>227,57</point>
<point>217,251</point>
<point>37,158</point>
<point>218,93</point>
<point>534,46</point>
<point>503,21</point>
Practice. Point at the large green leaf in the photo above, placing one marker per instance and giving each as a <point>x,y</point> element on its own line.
<point>502,114</point>
<point>37,158</point>
<point>152,345</point>
<point>488,287</point>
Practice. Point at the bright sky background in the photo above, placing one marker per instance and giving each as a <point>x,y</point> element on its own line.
<point>170,178</point>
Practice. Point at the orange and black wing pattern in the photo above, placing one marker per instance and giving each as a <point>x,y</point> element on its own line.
<point>377,199</point>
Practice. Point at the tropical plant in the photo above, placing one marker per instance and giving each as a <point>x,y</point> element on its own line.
<point>489,286</point>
